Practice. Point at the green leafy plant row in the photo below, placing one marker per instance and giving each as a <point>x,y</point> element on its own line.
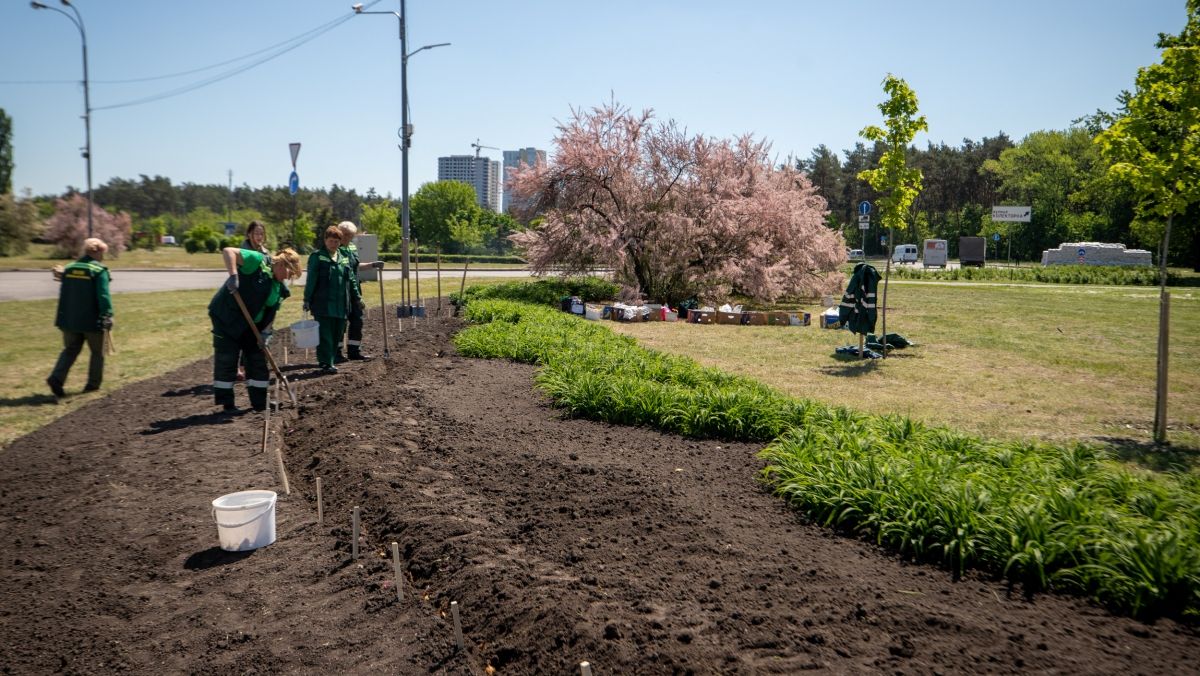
<point>1058,517</point>
<point>542,291</point>
<point>1052,274</point>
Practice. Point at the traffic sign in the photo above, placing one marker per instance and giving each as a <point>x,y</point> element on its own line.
<point>996,237</point>
<point>1012,214</point>
<point>293,183</point>
<point>883,239</point>
<point>864,208</point>
<point>864,222</point>
<point>295,149</point>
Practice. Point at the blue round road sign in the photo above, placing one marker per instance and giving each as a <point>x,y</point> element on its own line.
<point>864,208</point>
<point>293,183</point>
<point>996,237</point>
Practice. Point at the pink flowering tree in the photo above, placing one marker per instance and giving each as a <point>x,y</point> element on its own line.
<point>68,227</point>
<point>675,216</point>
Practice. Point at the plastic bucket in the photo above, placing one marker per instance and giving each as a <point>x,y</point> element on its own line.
<point>592,312</point>
<point>306,334</point>
<point>245,520</point>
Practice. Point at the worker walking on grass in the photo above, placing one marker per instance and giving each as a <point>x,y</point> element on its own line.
<point>258,279</point>
<point>327,292</point>
<point>84,314</point>
<point>358,306</point>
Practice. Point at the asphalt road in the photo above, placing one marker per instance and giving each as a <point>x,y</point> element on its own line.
<point>32,285</point>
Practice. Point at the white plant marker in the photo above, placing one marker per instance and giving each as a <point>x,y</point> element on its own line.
<point>585,669</point>
<point>320,506</point>
<point>458,639</point>
<point>399,573</point>
<point>354,543</point>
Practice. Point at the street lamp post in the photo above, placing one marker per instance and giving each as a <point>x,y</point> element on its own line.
<point>405,131</point>
<point>87,103</point>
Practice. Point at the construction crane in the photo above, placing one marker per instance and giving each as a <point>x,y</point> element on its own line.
<point>478,147</point>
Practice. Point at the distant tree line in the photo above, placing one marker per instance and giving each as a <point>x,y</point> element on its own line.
<point>1060,173</point>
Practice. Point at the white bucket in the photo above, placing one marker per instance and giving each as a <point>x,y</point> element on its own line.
<point>245,520</point>
<point>306,334</point>
<point>592,312</point>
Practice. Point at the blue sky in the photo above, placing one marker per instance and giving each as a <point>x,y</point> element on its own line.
<point>799,73</point>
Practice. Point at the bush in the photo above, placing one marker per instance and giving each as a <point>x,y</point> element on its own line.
<point>1047,516</point>
<point>191,245</point>
<point>212,244</point>
<point>542,291</point>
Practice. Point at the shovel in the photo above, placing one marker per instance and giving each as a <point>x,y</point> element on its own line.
<point>258,336</point>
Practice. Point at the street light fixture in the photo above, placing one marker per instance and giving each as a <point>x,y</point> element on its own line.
<point>405,127</point>
<point>87,103</point>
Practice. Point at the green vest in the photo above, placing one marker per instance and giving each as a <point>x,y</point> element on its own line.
<point>83,297</point>
<point>260,291</point>
<point>327,284</point>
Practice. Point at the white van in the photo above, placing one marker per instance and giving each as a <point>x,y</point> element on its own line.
<point>904,253</point>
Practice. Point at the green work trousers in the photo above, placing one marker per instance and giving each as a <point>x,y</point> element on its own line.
<point>330,330</point>
<point>226,354</point>
<point>72,343</point>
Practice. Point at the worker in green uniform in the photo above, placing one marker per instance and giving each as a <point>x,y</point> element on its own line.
<point>258,279</point>
<point>358,306</point>
<point>85,312</point>
<point>327,295</point>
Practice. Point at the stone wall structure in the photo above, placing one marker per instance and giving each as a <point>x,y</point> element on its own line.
<point>1095,253</point>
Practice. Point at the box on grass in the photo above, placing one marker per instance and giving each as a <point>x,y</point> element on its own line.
<point>729,317</point>
<point>698,317</point>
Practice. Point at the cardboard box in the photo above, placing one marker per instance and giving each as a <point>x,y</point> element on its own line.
<point>778,319</point>
<point>698,317</point>
<point>756,318</point>
<point>799,318</point>
<point>830,321</point>
<point>729,317</point>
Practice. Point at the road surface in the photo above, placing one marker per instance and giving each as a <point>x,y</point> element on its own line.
<point>32,285</point>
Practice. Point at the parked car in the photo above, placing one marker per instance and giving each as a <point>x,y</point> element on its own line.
<point>855,255</point>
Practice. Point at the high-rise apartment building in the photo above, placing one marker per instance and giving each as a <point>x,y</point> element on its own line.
<point>515,158</point>
<point>481,173</point>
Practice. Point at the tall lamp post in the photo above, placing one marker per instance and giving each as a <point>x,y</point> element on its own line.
<point>87,103</point>
<point>405,129</point>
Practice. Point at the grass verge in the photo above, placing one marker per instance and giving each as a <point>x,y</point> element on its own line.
<point>155,333</point>
<point>1065,517</point>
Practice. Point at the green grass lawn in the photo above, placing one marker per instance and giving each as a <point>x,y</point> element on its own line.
<point>1046,362</point>
<point>155,333</point>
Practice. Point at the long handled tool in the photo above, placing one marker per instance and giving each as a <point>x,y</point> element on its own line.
<point>262,344</point>
<point>383,318</point>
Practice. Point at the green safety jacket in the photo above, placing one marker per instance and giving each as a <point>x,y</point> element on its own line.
<point>83,298</point>
<point>327,285</point>
<point>260,291</point>
<point>350,252</point>
<point>857,310</point>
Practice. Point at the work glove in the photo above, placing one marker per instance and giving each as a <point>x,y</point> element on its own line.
<point>266,334</point>
<point>362,305</point>
<point>106,323</point>
<point>231,284</point>
<point>304,307</point>
<point>378,265</point>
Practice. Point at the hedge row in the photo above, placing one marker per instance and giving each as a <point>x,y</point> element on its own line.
<point>431,259</point>
<point>1052,274</point>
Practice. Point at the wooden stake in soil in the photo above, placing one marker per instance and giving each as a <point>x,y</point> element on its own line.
<point>417,274</point>
<point>399,573</point>
<point>354,530</point>
<point>458,639</point>
<point>387,354</point>
<point>439,280</point>
<point>320,506</point>
<point>585,669</point>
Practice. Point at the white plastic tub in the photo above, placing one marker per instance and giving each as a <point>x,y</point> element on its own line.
<point>306,334</point>
<point>592,312</point>
<point>245,520</point>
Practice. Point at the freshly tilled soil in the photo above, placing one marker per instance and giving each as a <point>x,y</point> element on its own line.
<point>562,540</point>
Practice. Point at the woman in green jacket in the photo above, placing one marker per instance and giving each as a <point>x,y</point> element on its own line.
<point>326,295</point>
<point>258,279</point>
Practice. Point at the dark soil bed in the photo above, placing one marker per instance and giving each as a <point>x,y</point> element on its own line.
<point>561,540</point>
